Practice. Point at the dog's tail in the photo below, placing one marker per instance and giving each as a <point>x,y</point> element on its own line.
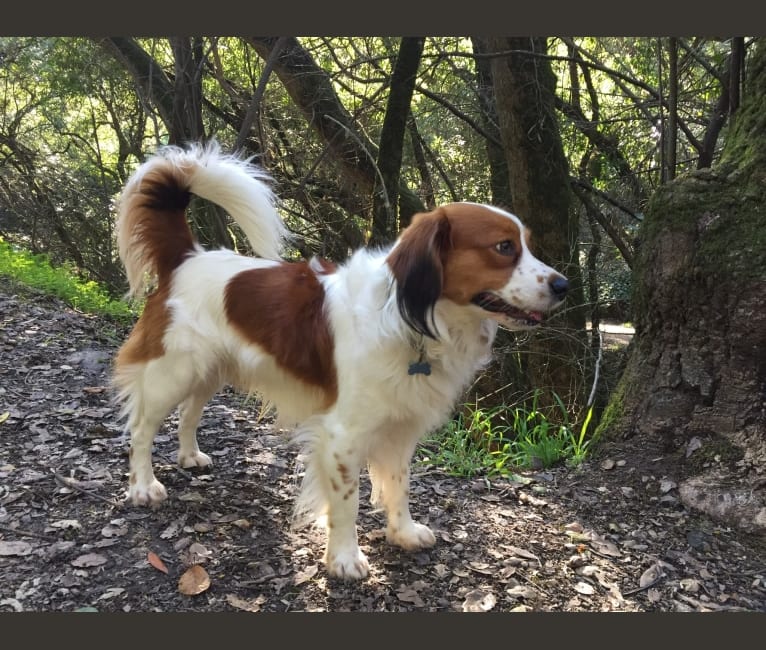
<point>153,235</point>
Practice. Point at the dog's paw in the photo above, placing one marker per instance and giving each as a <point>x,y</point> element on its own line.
<point>147,495</point>
<point>195,459</point>
<point>347,565</point>
<point>411,538</point>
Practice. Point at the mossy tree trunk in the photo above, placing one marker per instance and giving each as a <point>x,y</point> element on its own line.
<point>698,363</point>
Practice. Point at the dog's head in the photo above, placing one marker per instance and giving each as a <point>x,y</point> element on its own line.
<point>474,255</point>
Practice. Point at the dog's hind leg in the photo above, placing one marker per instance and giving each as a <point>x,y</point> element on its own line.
<point>190,413</point>
<point>157,387</point>
<point>389,466</point>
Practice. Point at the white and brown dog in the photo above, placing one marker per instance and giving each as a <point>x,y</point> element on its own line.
<point>363,358</point>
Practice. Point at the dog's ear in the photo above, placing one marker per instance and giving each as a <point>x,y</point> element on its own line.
<point>417,263</point>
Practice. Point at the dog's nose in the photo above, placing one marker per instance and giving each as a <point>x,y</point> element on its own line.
<point>559,286</point>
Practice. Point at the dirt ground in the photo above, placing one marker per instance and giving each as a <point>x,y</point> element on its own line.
<point>612,536</point>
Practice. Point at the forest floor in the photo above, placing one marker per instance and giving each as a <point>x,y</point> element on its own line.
<point>611,536</point>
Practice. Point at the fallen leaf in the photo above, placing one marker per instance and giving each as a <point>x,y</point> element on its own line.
<point>89,560</point>
<point>482,567</point>
<point>479,600</point>
<point>666,485</point>
<point>694,444</point>
<point>156,562</point>
<point>520,591</point>
<point>12,602</point>
<point>253,605</point>
<point>110,530</point>
<point>304,576</point>
<point>195,497</point>
<point>690,584</point>
<point>650,576</point>
<point>194,581</point>
<point>244,524</point>
<point>15,548</point>
<point>111,593</point>
<point>66,523</point>
<point>605,547</point>
<point>441,570</point>
<point>4,416</point>
<point>653,595</point>
<point>584,588</point>
<point>520,552</point>
<point>408,595</point>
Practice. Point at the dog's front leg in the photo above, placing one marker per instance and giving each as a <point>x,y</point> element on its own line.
<point>390,476</point>
<point>343,557</point>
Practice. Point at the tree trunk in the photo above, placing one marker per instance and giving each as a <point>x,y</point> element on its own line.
<point>524,87</point>
<point>697,372</point>
<point>385,215</point>
<point>499,178</point>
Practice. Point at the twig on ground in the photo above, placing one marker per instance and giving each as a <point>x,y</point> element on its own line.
<point>73,483</point>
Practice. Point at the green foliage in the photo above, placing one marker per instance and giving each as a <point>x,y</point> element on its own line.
<point>466,445</point>
<point>502,440</point>
<point>36,271</point>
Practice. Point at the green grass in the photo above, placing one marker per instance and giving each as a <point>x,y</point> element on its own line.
<point>504,440</point>
<point>37,272</point>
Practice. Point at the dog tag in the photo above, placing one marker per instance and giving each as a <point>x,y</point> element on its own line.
<point>419,368</point>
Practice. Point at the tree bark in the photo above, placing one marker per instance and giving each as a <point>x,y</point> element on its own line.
<point>698,365</point>
<point>539,181</point>
<point>499,176</point>
<point>385,215</point>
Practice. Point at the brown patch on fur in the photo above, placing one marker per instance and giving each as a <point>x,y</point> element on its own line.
<point>472,263</point>
<point>344,473</point>
<point>334,485</point>
<point>132,479</point>
<point>145,341</point>
<point>281,309</point>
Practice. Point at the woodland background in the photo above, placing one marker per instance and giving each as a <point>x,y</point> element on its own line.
<point>634,161</point>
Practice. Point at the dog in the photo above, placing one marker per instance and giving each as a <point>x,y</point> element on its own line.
<point>360,358</point>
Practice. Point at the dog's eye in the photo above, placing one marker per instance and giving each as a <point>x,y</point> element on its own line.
<point>506,248</point>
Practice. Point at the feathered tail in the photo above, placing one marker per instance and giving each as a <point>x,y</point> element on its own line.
<point>153,235</point>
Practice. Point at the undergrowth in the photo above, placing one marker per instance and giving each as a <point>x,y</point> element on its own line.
<point>61,281</point>
<point>505,439</point>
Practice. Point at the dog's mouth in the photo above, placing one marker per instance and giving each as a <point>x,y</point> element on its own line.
<point>492,303</point>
